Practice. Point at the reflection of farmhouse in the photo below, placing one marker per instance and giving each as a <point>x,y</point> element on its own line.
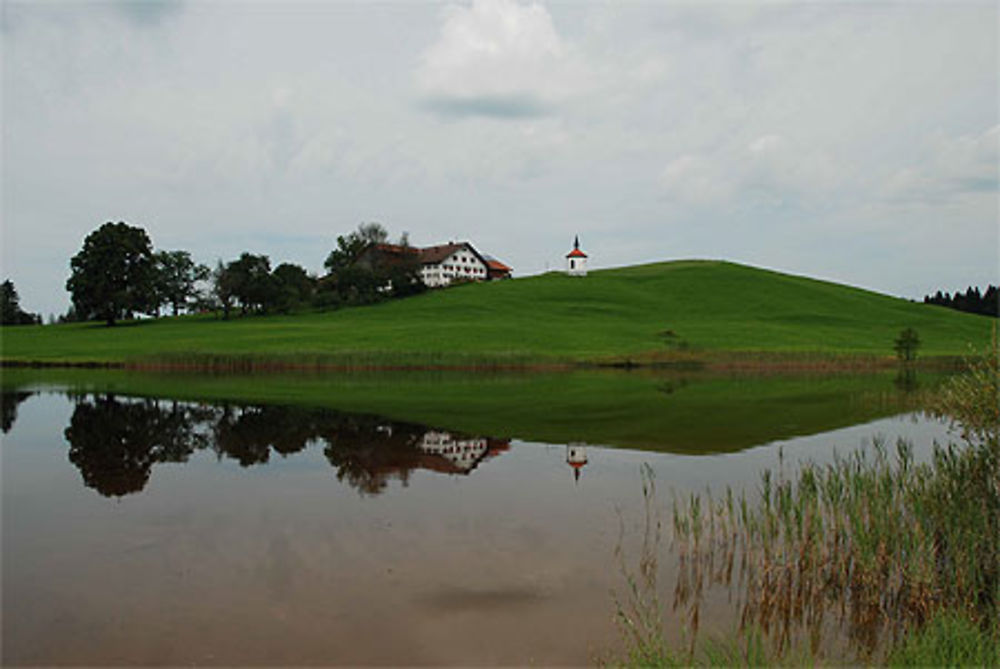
<point>369,452</point>
<point>440,265</point>
<point>461,454</point>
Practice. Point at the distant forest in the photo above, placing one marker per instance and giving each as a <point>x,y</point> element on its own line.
<point>972,301</point>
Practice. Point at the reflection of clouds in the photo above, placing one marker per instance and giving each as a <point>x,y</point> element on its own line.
<point>455,599</point>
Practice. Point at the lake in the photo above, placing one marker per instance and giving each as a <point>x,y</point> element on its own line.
<point>376,519</point>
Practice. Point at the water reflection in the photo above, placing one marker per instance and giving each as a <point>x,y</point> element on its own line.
<point>115,441</point>
<point>576,457</point>
<point>8,407</point>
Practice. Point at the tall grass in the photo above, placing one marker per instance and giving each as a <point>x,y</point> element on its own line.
<point>869,548</point>
<point>948,640</point>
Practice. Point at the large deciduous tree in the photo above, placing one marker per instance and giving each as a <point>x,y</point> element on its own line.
<point>252,282</point>
<point>114,274</point>
<point>295,287</point>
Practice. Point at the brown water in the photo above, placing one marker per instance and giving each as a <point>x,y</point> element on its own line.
<point>152,532</point>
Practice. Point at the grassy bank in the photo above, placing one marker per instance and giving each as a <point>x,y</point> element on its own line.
<point>643,410</point>
<point>676,311</point>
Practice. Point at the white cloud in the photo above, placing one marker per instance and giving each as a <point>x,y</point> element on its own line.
<point>498,58</point>
<point>770,170</point>
<point>949,168</point>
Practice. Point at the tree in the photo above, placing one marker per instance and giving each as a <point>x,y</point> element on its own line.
<point>114,274</point>
<point>10,306</point>
<point>223,288</point>
<point>177,278</point>
<point>294,286</point>
<point>9,303</point>
<point>906,345</point>
<point>360,274</point>
<point>349,247</point>
<point>252,283</point>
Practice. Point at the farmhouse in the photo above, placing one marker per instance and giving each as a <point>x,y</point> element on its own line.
<point>440,265</point>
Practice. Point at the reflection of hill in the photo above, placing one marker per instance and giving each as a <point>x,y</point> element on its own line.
<point>115,442</point>
<point>670,412</point>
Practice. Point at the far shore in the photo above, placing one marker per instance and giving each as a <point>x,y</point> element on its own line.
<point>709,361</point>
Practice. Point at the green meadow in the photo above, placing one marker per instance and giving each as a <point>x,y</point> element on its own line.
<point>641,313</point>
<point>678,413</point>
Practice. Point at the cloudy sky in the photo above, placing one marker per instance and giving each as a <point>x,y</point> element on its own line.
<point>855,142</point>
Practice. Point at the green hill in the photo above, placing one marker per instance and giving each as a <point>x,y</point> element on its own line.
<point>643,312</point>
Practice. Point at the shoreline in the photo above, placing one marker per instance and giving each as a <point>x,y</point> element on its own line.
<point>718,361</point>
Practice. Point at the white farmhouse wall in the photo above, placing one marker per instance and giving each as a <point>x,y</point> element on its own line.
<point>462,264</point>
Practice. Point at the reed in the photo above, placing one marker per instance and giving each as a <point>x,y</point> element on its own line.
<point>876,544</point>
<point>351,361</point>
<point>872,548</point>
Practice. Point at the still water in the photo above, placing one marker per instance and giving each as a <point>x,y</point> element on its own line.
<point>142,530</point>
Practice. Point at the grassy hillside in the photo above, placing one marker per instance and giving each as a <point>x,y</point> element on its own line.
<point>635,312</point>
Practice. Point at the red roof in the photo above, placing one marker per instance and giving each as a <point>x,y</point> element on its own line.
<point>435,254</point>
<point>576,253</point>
<point>396,248</point>
<point>494,264</point>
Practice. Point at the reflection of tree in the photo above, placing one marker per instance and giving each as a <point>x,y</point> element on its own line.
<point>368,451</point>
<point>247,434</point>
<point>906,379</point>
<point>115,443</point>
<point>8,408</point>
<point>238,434</point>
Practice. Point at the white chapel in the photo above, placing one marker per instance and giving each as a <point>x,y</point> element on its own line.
<point>576,260</point>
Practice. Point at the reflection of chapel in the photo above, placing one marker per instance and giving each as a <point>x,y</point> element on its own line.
<point>576,260</point>
<point>576,457</point>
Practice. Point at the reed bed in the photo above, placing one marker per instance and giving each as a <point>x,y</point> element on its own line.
<point>876,545</point>
<point>870,549</point>
<point>344,361</point>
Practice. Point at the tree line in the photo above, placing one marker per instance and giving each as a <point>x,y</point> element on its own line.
<point>10,307</point>
<point>118,275</point>
<point>972,300</point>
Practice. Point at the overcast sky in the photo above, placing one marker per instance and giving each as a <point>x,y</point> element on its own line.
<point>851,141</point>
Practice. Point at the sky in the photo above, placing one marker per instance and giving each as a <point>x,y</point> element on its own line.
<point>850,141</point>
